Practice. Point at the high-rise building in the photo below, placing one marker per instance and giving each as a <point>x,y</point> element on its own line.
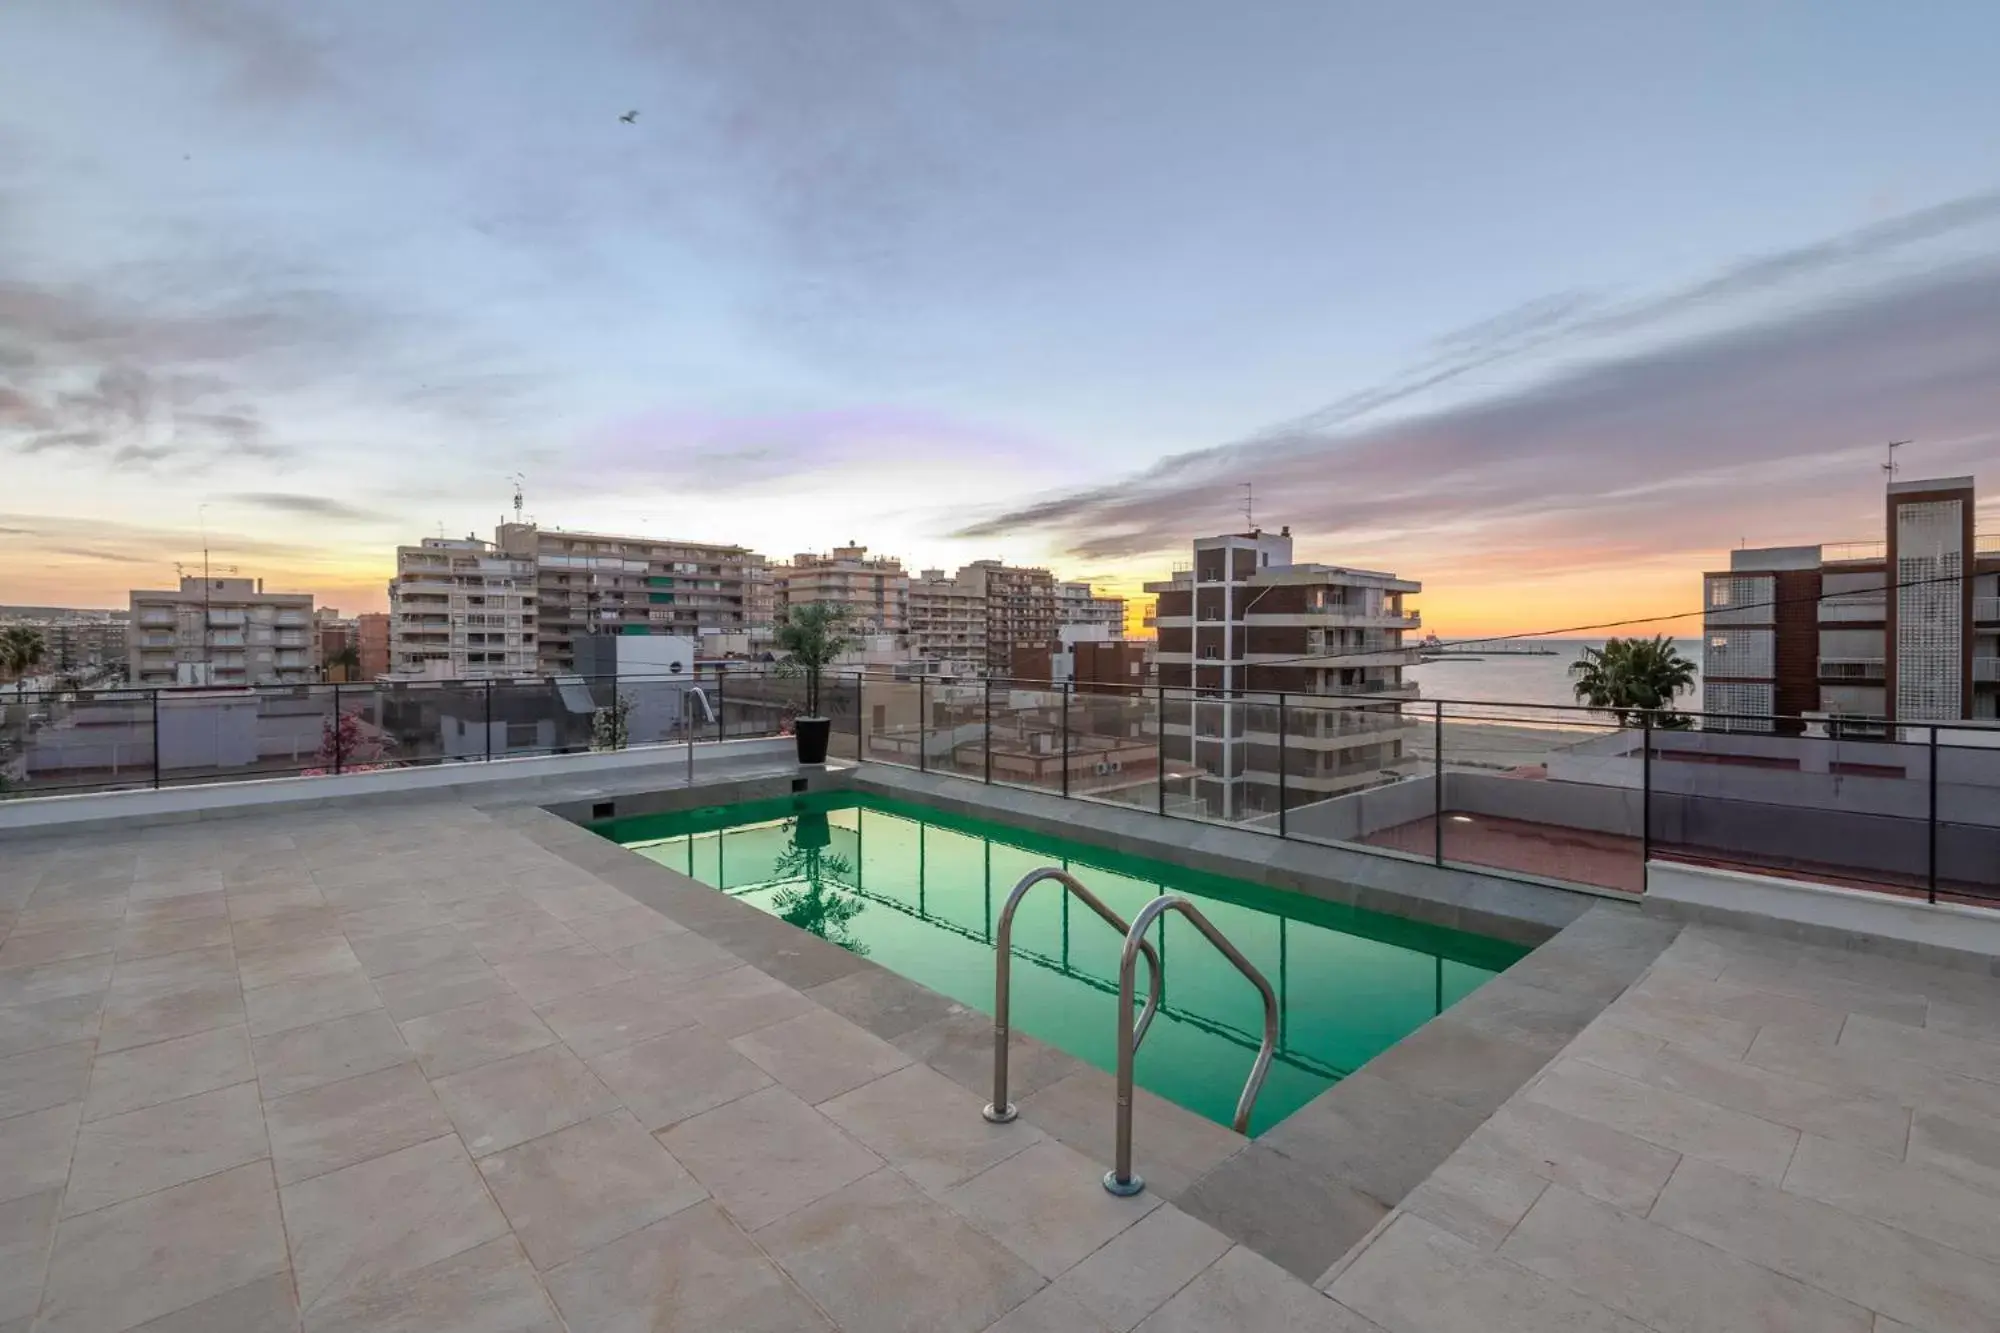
<point>947,621</point>
<point>371,640</point>
<point>1245,621</point>
<point>875,592</point>
<point>1911,634</point>
<point>594,583</point>
<point>461,609</point>
<point>221,631</point>
<point>1080,604</point>
<point>1020,608</point>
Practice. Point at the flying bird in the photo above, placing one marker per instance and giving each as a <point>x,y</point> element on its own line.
<point>630,118</point>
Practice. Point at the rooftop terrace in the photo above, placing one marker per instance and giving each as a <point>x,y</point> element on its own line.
<point>439,1058</point>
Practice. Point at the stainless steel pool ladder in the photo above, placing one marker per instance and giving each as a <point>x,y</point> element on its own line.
<point>1000,1110</point>
<point>1120,1179</point>
<point>688,722</point>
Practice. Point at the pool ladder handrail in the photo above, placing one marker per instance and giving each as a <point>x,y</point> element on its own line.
<point>1000,1110</point>
<point>1120,1180</point>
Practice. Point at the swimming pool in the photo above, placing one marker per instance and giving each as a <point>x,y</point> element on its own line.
<point>918,891</point>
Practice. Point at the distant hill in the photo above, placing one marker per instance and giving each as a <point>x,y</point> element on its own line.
<point>56,612</point>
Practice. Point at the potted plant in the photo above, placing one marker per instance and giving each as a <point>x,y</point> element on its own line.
<point>812,636</point>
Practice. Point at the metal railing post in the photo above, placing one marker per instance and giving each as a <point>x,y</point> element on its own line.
<point>923,728</point>
<point>721,705</point>
<point>489,721</point>
<point>1000,1110</point>
<point>156,738</point>
<point>1066,686</point>
<point>1160,732</point>
<point>1281,763</point>
<point>1645,798</point>
<point>1931,861</point>
<point>988,759</point>
<point>1437,786</point>
<point>1120,1180</point>
<point>338,756</point>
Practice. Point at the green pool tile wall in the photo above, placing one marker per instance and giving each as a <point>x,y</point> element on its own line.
<point>919,891</point>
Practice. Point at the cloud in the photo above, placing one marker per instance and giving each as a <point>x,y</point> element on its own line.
<point>308,506</point>
<point>1680,447</point>
<point>86,553</point>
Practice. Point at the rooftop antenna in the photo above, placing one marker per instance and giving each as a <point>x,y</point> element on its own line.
<point>519,481</point>
<point>1249,505</point>
<point>1892,467</point>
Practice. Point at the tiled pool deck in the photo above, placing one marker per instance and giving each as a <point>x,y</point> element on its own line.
<point>439,1067</point>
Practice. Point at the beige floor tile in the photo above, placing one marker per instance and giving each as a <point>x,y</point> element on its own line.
<point>819,1054</point>
<point>1049,1311</point>
<point>1874,1123</point>
<point>1905,1082</point>
<point>1479,1194</point>
<point>1881,1267</point>
<point>669,1079</point>
<point>487,1289</point>
<point>1174,1147</point>
<point>580,1187</point>
<point>252,904</point>
<point>1587,1156</point>
<point>389,919</point>
<point>1667,1281</point>
<point>305,1057</point>
<point>50,1022</point>
<point>287,927</point>
<point>682,957</point>
<point>740,1000</point>
<point>267,1305</point>
<point>522,1097</point>
<point>297,1004</point>
<point>149,978</point>
<point>35,1150</point>
<point>695,1272</point>
<point>541,977</point>
<point>448,985</point>
<point>1048,1205</point>
<point>1414,1276</point>
<point>623,927</point>
<point>144,1019</point>
<point>384,1219</point>
<point>328,955</point>
<point>608,1017</point>
<point>1971,1057</point>
<point>927,1127</point>
<point>1669,1119</point>
<point>153,938</point>
<point>50,1076</point>
<point>1244,1291</point>
<point>338,1124</point>
<point>1141,1269</point>
<point>1685,1024</point>
<point>55,943</point>
<point>879,1254</point>
<point>382,955</point>
<point>196,905</point>
<point>121,1266</point>
<point>27,1230</point>
<point>519,936</point>
<point>124,1156</point>
<point>1958,1147</point>
<point>492,907</point>
<point>767,1154</point>
<point>1915,1198</point>
<point>452,1040</point>
<point>37,982</point>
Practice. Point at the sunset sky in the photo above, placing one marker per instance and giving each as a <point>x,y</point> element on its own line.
<point>1547,305</point>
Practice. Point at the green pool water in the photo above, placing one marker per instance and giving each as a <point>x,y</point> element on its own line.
<point>918,891</point>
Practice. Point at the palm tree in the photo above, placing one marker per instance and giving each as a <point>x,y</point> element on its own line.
<point>1633,678</point>
<point>814,635</point>
<point>21,649</point>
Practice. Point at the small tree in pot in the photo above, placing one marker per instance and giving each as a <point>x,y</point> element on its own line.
<point>813,636</point>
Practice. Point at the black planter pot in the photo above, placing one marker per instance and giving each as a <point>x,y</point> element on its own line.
<point>812,733</point>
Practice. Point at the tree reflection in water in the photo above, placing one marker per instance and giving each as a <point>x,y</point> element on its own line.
<point>814,899</point>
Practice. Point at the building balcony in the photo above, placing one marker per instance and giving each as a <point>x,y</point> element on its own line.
<point>1836,610</point>
<point>1853,668</point>
<point>156,618</point>
<point>1986,610</point>
<point>225,619</point>
<point>1986,669</point>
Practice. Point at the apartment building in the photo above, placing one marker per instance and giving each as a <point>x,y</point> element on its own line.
<point>599,583</point>
<point>461,609</point>
<point>1080,604</point>
<point>1906,633</point>
<point>875,591</point>
<point>1245,623</point>
<point>371,641</point>
<point>1019,608</point>
<point>79,643</point>
<point>221,631</point>
<point>947,619</point>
